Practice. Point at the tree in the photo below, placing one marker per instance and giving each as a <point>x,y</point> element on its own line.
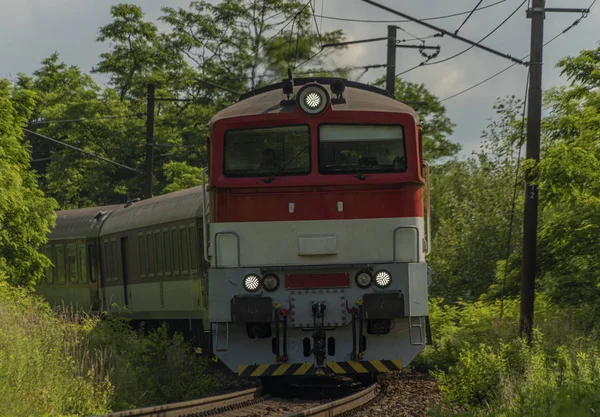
<point>437,126</point>
<point>569,186</point>
<point>25,214</point>
<point>111,129</point>
<point>245,44</point>
<point>473,212</point>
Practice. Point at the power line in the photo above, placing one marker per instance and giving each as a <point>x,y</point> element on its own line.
<point>426,63</point>
<point>84,119</point>
<point>316,25</point>
<point>469,16</point>
<point>82,151</point>
<point>290,20</point>
<point>406,20</point>
<point>514,197</point>
<point>445,32</point>
<point>571,26</point>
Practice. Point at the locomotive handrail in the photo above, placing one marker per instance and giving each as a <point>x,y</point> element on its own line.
<point>428,209</point>
<point>227,232</point>
<point>204,221</point>
<point>394,245</point>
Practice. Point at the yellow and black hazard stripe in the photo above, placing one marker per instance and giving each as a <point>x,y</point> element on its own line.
<point>330,368</point>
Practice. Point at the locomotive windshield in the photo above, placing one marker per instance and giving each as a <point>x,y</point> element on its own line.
<point>366,149</point>
<point>267,151</point>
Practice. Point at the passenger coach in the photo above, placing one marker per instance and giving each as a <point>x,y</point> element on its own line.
<point>317,238</point>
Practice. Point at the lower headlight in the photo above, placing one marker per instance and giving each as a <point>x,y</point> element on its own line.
<point>270,282</point>
<point>383,279</point>
<point>251,282</point>
<point>363,279</point>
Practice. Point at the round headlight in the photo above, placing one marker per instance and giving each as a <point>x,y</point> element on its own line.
<point>251,282</point>
<point>313,99</point>
<point>363,279</point>
<point>270,282</point>
<point>383,279</point>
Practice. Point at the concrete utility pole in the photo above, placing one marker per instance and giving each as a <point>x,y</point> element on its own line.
<point>149,142</point>
<point>534,122</point>
<point>390,79</point>
<point>537,13</point>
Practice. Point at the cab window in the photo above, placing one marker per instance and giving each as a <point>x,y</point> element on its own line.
<point>358,149</point>
<point>267,151</point>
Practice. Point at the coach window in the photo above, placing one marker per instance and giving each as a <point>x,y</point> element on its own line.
<point>167,251</point>
<point>142,255</point>
<point>159,253</point>
<point>59,253</point>
<point>175,250</point>
<point>91,261</point>
<point>105,261</point>
<point>267,151</point>
<point>72,257</point>
<point>184,250</point>
<point>114,265</point>
<point>82,263</point>
<point>193,249</point>
<point>359,149</point>
<point>151,255</point>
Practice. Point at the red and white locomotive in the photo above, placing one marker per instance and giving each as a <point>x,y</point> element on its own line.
<point>315,231</point>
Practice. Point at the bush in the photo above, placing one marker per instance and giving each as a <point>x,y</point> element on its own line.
<point>38,376</point>
<point>66,363</point>
<point>498,374</point>
<point>148,368</point>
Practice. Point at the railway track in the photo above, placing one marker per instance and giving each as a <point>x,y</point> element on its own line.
<point>255,402</point>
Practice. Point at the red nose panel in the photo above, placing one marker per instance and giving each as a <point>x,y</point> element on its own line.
<point>301,281</point>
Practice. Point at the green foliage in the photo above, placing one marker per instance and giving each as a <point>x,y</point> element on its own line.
<point>25,215</point>
<point>568,177</point>
<point>437,126</point>
<point>38,376</point>
<point>482,367</point>
<point>65,363</point>
<point>472,212</point>
<point>147,368</point>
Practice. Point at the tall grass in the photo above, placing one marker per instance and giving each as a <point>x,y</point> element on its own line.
<point>483,367</point>
<point>63,362</point>
<point>38,373</point>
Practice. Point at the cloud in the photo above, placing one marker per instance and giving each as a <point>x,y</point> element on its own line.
<point>33,29</point>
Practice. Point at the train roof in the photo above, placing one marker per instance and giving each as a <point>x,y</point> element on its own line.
<point>80,223</point>
<point>179,205</point>
<point>268,100</point>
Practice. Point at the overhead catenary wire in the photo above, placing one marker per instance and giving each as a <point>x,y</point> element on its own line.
<point>406,20</point>
<point>31,132</point>
<point>443,31</point>
<point>468,16</point>
<point>290,20</point>
<point>427,63</point>
<point>558,35</point>
<point>316,25</point>
<point>86,119</point>
<point>514,196</point>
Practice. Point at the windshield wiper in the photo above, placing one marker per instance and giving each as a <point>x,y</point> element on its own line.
<point>273,175</point>
<point>359,175</point>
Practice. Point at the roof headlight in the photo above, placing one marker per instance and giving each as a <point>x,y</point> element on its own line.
<point>312,99</point>
<point>383,279</point>
<point>364,279</point>
<point>270,282</point>
<point>251,282</point>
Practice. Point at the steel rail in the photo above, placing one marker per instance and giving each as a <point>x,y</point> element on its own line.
<point>202,406</point>
<point>341,406</point>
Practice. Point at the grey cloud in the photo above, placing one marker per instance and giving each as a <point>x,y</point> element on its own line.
<point>32,29</point>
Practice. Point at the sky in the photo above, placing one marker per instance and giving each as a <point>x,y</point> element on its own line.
<point>31,30</point>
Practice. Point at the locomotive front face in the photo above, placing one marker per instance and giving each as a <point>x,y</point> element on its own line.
<point>316,236</point>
